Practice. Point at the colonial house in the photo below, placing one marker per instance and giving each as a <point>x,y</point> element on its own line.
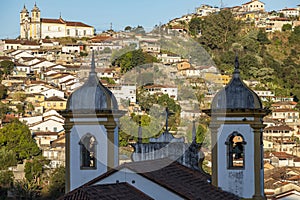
<point>254,5</point>
<point>44,139</point>
<point>55,103</point>
<point>35,27</point>
<point>124,92</point>
<point>171,91</point>
<point>275,24</point>
<point>183,65</point>
<point>29,60</point>
<point>278,133</point>
<point>41,66</point>
<point>36,88</point>
<point>56,152</point>
<point>290,12</point>
<point>71,48</point>
<point>47,125</point>
<point>168,58</point>
<point>21,69</point>
<point>150,46</point>
<point>205,10</point>
<point>285,115</point>
<point>53,92</point>
<point>265,95</point>
<point>19,44</point>
<point>284,105</point>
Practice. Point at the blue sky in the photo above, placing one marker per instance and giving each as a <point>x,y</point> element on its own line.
<point>120,13</point>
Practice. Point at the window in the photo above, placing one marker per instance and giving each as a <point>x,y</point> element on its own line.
<point>235,151</point>
<point>88,151</point>
<point>68,31</point>
<point>84,32</point>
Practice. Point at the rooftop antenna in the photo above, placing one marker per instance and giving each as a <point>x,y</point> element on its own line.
<point>222,5</point>
<point>111,26</point>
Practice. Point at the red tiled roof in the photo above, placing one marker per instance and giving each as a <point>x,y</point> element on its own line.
<point>279,128</point>
<point>282,155</point>
<point>80,24</point>
<point>252,2</point>
<point>122,191</point>
<point>284,110</point>
<point>56,21</point>
<point>44,133</point>
<point>55,98</point>
<point>61,21</point>
<point>181,180</point>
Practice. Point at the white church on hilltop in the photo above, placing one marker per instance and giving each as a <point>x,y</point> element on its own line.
<point>35,27</point>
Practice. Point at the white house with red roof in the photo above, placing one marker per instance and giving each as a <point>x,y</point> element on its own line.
<point>285,115</point>
<point>254,5</point>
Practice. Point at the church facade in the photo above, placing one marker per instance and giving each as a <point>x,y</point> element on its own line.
<point>34,27</point>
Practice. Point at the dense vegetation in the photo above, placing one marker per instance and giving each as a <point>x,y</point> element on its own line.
<point>271,58</point>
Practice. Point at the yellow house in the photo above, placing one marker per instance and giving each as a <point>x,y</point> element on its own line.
<point>183,65</point>
<point>217,78</point>
<point>55,103</point>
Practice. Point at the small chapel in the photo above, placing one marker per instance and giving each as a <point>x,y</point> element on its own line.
<point>165,167</point>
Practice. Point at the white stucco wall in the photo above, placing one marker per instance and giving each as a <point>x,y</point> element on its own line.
<point>78,176</point>
<point>239,182</point>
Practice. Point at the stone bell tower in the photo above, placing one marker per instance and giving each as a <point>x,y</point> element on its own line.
<point>237,147</point>
<point>91,120</point>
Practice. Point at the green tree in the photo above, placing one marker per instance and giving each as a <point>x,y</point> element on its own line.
<point>128,28</point>
<point>6,180</point>
<point>262,37</point>
<point>3,110</point>
<point>7,158</point>
<point>34,169</point>
<point>219,30</point>
<point>3,91</point>
<point>26,191</point>
<point>286,27</point>
<point>194,26</point>
<point>7,66</point>
<point>19,96</point>
<point>295,36</point>
<point>57,183</point>
<point>16,137</point>
<point>132,59</point>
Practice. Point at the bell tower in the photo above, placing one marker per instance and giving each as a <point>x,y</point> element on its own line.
<point>237,147</point>
<point>35,31</point>
<point>91,125</point>
<point>24,23</point>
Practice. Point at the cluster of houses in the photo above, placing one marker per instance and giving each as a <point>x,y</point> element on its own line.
<point>253,11</point>
<point>47,71</point>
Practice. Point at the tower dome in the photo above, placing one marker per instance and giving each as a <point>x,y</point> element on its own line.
<point>236,95</point>
<point>92,95</point>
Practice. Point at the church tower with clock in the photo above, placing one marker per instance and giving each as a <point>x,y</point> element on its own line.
<point>236,133</point>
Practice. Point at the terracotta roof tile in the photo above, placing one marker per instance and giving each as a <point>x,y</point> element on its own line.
<point>279,128</point>
<point>183,181</point>
<point>122,191</point>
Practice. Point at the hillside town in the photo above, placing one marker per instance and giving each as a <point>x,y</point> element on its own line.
<point>50,60</point>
